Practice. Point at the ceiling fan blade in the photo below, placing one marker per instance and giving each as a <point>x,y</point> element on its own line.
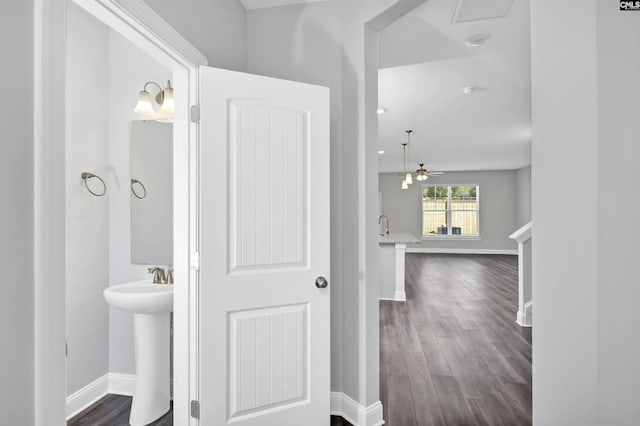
<point>435,173</point>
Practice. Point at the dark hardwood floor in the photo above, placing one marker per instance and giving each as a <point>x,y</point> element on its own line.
<point>113,410</point>
<point>453,353</point>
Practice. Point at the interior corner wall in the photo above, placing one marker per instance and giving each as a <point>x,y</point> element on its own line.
<point>302,43</point>
<point>217,28</point>
<point>16,210</point>
<point>129,69</point>
<point>87,216</point>
<point>565,125</point>
<point>618,38</point>
<point>326,43</point>
<point>523,196</point>
<point>498,206</point>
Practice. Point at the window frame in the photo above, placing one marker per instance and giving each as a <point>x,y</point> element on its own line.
<point>449,235</point>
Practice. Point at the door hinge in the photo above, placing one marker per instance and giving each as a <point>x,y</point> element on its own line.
<point>195,113</point>
<point>195,409</point>
<point>195,261</point>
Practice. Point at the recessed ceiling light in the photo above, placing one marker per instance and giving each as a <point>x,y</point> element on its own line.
<point>477,40</point>
<point>469,90</point>
<point>381,152</point>
<point>381,110</point>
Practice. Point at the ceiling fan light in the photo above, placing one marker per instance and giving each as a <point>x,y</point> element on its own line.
<point>408,178</point>
<point>422,177</point>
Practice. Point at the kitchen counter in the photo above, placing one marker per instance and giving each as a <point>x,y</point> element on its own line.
<point>392,251</point>
<point>398,237</point>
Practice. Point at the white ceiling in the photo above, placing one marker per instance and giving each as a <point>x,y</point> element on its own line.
<point>262,4</point>
<point>424,66</point>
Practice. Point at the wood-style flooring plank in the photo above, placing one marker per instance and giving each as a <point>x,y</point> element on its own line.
<point>401,411</point>
<point>113,410</point>
<point>453,352</point>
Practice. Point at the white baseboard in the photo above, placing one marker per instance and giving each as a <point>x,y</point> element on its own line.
<point>344,406</point>
<point>110,383</point>
<point>525,318</point>
<point>81,399</point>
<point>122,384</point>
<point>400,296</point>
<point>460,251</point>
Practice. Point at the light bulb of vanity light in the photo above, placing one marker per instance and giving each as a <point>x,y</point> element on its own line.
<point>144,105</point>
<point>167,99</point>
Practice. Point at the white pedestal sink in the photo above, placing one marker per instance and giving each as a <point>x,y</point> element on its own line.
<point>151,305</point>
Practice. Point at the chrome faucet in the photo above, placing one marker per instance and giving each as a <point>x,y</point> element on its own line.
<point>158,275</point>
<point>386,230</point>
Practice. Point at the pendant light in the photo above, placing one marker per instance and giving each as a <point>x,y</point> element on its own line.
<point>404,167</point>
<point>408,177</point>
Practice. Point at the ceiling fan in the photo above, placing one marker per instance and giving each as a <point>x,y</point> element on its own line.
<point>421,174</point>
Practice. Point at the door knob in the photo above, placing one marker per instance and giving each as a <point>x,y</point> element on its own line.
<point>321,282</point>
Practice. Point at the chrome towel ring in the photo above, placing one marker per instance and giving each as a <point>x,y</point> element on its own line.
<point>87,175</point>
<point>133,189</point>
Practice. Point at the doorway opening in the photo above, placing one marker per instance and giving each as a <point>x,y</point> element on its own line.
<point>139,25</point>
<point>458,82</point>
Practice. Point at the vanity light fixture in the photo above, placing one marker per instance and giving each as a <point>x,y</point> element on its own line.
<point>164,100</point>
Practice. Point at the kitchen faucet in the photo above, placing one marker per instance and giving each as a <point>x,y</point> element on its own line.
<point>384,216</point>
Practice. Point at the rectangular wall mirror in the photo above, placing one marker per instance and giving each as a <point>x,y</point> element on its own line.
<point>151,193</point>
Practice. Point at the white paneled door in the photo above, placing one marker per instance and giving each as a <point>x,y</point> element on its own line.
<point>264,245</point>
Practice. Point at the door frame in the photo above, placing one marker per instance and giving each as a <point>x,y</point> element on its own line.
<point>139,24</point>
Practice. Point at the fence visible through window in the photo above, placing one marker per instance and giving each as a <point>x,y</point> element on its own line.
<point>450,210</point>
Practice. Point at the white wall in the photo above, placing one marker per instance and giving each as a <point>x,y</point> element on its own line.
<point>565,247</point>
<point>301,43</point>
<point>217,28</point>
<point>585,284</point>
<point>16,211</point>
<point>618,152</point>
<point>87,216</point>
<point>129,69</point>
<point>498,205</point>
<point>107,71</point>
<point>327,43</point>
<point>523,196</point>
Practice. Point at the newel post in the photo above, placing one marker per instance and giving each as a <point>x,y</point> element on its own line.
<point>525,303</point>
